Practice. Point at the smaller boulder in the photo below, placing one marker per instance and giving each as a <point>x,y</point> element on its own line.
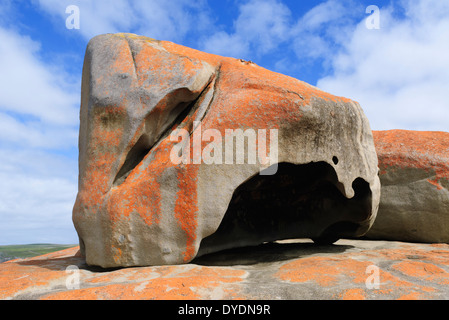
<point>414,174</point>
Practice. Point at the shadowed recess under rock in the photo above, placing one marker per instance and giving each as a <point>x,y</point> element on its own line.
<point>269,252</point>
<point>299,201</point>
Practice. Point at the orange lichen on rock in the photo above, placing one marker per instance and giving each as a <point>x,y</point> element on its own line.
<point>426,150</point>
<point>323,270</point>
<point>186,207</point>
<point>356,269</point>
<point>406,271</point>
<point>194,283</point>
<point>18,275</point>
<point>135,206</point>
<point>329,271</point>
<point>424,270</point>
<point>414,174</point>
<point>412,296</point>
<point>353,294</point>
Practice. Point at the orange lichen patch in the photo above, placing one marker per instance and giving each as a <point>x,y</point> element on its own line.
<point>170,290</point>
<point>149,70</point>
<point>427,150</point>
<point>353,294</point>
<point>435,183</point>
<point>438,256</point>
<point>103,149</point>
<point>323,270</point>
<point>140,196</point>
<point>186,207</point>
<point>329,272</point>
<point>252,71</point>
<point>15,277</point>
<point>140,192</point>
<point>123,61</point>
<point>80,294</point>
<point>423,270</point>
<point>116,254</point>
<point>422,142</point>
<point>170,285</point>
<point>65,253</point>
<point>258,98</point>
<point>413,296</point>
<point>20,274</point>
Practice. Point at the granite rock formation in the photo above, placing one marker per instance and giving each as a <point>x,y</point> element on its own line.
<point>158,183</point>
<point>414,174</point>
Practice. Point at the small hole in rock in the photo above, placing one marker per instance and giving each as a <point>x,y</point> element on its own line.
<point>335,159</point>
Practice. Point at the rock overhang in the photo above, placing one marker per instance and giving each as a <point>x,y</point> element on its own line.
<point>142,98</point>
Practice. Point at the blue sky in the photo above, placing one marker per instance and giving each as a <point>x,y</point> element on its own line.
<point>399,74</point>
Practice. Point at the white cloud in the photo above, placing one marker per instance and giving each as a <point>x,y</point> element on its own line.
<point>222,43</point>
<point>36,134</point>
<point>164,20</point>
<point>400,73</point>
<point>325,12</point>
<point>39,107</point>
<point>38,191</point>
<point>262,25</point>
<point>39,110</point>
<point>29,86</point>
<point>319,33</point>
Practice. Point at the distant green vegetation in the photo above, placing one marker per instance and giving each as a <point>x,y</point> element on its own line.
<point>30,250</point>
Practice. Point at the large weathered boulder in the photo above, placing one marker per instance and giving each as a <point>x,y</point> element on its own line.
<point>414,174</point>
<point>165,175</point>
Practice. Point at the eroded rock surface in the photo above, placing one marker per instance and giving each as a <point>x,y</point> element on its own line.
<point>296,269</point>
<point>414,174</point>
<point>137,206</point>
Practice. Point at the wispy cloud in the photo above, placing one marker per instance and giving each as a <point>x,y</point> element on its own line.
<point>399,73</point>
<point>30,86</point>
<point>319,33</point>
<point>164,20</point>
<point>262,25</point>
<point>38,191</point>
<point>39,115</point>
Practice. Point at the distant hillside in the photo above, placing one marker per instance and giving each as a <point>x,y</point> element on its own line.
<point>29,250</point>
